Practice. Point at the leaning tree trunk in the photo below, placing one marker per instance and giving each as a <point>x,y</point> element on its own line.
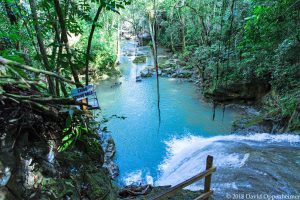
<point>88,50</point>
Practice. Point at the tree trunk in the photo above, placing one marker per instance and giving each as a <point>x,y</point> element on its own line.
<point>41,44</point>
<point>183,33</point>
<point>64,38</point>
<point>56,56</point>
<point>13,19</point>
<point>88,50</point>
<point>118,42</point>
<point>229,39</point>
<point>220,37</point>
<point>153,33</point>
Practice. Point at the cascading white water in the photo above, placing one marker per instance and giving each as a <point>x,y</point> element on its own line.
<point>254,163</point>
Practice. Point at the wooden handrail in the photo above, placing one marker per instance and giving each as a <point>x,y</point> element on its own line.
<point>204,195</point>
<point>206,174</point>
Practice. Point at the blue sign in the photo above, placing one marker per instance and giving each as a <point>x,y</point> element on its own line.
<point>82,93</point>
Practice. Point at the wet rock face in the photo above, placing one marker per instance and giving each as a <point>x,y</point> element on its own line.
<point>247,125</point>
<point>72,175</point>
<point>32,168</point>
<point>239,92</point>
<point>110,151</point>
<point>294,122</point>
<point>97,185</point>
<point>23,152</point>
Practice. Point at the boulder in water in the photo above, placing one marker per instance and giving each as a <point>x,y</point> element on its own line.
<point>140,59</point>
<point>144,38</point>
<point>168,70</point>
<point>138,79</point>
<point>182,73</point>
<point>116,84</point>
<point>146,73</point>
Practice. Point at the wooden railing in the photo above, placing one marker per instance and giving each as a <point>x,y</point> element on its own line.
<point>207,182</point>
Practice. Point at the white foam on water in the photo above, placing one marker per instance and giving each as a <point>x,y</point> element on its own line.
<point>133,178</point>
<point>149,180</point>
<point>50,156</point>
<point>186,156</point>
<point>222,186</point>
<point>5,176</point>
<point>137,178</point>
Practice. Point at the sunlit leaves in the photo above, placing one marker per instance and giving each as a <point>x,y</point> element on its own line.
<point>115,5</point>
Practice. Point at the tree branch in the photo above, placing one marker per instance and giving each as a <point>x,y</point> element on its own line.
<point>4,61</point>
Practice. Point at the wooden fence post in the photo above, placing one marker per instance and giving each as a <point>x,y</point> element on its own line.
<point>207,180</point>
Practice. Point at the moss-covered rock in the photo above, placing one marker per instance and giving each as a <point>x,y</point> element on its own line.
<point>146,73</point>
<point>99,183</point>
<point>54,188</point>
<point>180,195</point>
<point>294,122</point>
<point>140,59</point>
<point>36,169</point>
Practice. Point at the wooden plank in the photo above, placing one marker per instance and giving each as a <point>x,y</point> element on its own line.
<point>205,195</point>
<point>207,181</point>
<point>85,102</point>
<point>182,185</point>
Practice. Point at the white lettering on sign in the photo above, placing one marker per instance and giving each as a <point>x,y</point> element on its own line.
<point>82,93</point>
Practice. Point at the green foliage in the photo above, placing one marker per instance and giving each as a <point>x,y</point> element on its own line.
<point>104,59</point>
<point>233,42</point>
<point>19,42</point>
<point>77,128</point>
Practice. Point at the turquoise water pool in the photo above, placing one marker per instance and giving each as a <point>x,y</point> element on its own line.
<point>175,150</point>
<point>140,141</point>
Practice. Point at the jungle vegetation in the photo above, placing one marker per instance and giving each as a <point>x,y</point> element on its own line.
<point>239,51</point>
<point>245,47</point>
